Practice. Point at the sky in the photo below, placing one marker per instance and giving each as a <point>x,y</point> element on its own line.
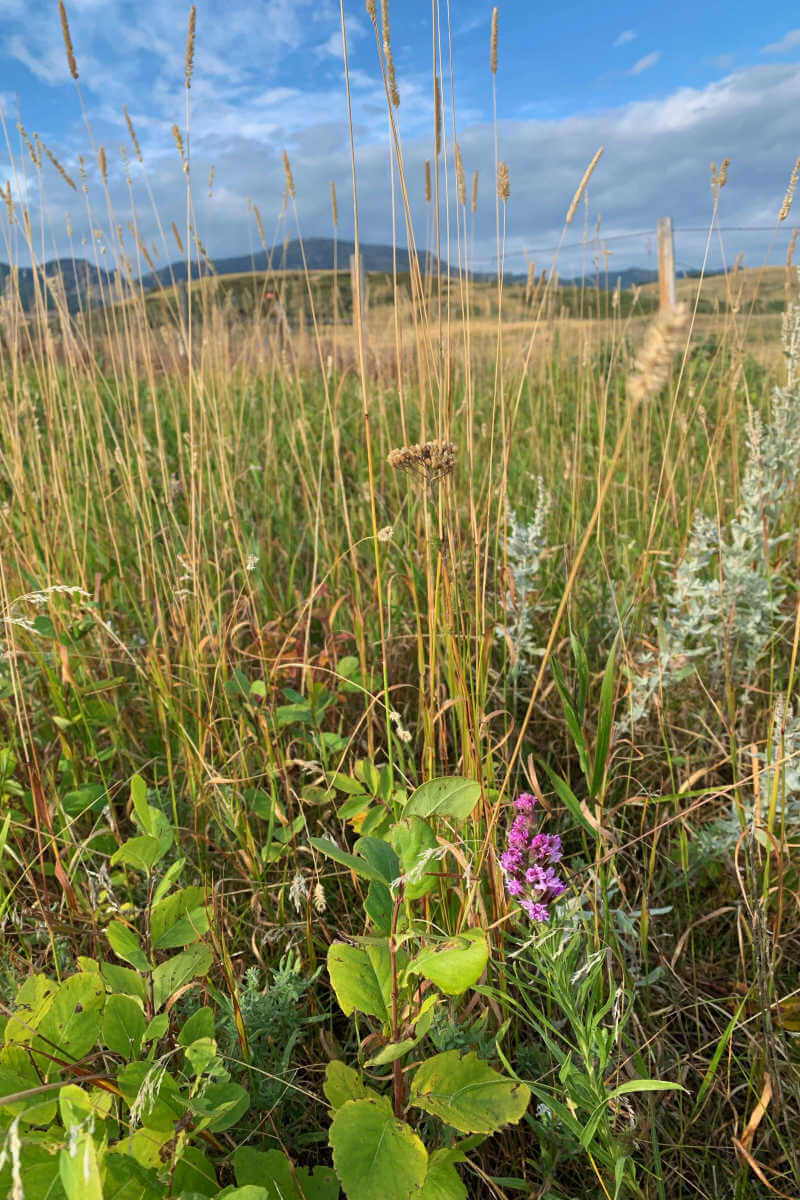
<point>665,92</point>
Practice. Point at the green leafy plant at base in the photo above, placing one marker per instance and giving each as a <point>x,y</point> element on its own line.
<point>397,976</point>
<point>102,1092</point>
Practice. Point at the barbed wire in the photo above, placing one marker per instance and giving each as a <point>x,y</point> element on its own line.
<point>599,240</point>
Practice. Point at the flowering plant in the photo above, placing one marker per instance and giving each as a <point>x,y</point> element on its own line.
<point>528,862</point>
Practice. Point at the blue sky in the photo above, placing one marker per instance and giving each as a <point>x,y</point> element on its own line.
<point>665,91</point>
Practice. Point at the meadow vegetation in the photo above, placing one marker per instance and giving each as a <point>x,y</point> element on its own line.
<point>310,622</point>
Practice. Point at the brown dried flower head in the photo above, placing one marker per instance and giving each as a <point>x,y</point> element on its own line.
<point>430,460</point>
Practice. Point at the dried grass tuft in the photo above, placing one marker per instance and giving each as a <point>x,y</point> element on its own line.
<point>73,68</point>
<point>461,182</point>
<point>587,174</point>
<point>101,158</point>
<point>387,54</point>
<point>189,67</point>
<point>663,340</point>
<point>132,133</point>
<point>289,177</point>
<point>503,182</point>
<point>493,48</point>
<point>787,200</point>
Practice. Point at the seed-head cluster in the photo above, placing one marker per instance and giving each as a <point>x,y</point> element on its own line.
<point>528,862</point>
<point>431,460</point>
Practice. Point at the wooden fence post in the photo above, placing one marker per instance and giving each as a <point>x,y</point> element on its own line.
<point>666,264</point>
<point>358,285</point>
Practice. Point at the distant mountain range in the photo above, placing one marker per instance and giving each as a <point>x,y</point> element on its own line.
<point>84,284</point>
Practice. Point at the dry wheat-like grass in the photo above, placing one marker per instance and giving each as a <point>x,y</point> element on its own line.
<point>787,199</point>
<point>189,65</point>
<point>461,182</point>
<point>288,173</point>
<point>587,174</point>
<point>177,236</point>
<point>503,181</point>
<point>132,133</point>
<point>387,54</point>
<point>474,191</point>
<point>101,158</point>
<point>62,12</point>
<point>493,44</point>
<point>334,206</point>
<point>427,181</point>
<point>437,116</point>
<point>664,338</point>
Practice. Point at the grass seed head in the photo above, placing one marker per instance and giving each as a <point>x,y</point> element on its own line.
<point>431,460</point>
<point>664,338</point>
<point>460,180</point>
<point>503,183</point>
<point>587,174</point>
<point>189,67</point>
<point>474,191</point>
<point>62,12</point>
<point>787,200</point>
<point>427,181</point>
<point>289,177</point>
<point>493,46</point>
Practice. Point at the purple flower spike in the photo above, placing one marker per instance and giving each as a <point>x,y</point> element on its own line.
<point>528,862</point>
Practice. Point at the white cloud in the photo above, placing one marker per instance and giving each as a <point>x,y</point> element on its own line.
<point>644,64</point>
<point>790,41</point>
<point>626,36</point>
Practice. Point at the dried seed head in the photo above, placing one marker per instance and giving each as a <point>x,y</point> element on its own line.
<point>211,181</point>
<point>73,69</point>
<point>189,67</point>
<point>373,16</point>
<point>59,168</point>
<point>28,142</point>
<point>178,139</point>
<point>662,341</point>
<point>503,184</point>
<point>132,133</point>
<point>474,191</point>
<point>177,237</point>
<point>387,54</point>
<point>289,177</point>
<point>787,200</point>
<point>261,233</point>
<point>719,178</point>
<point>431,460</point>
<point>460,180</point>
<point>427,181</point>
<point>493,47</point>
<point>101,157</point>
<point>587,174</point>
<point>82,169</point>
<point>334,205</point>
<point>437,116</point>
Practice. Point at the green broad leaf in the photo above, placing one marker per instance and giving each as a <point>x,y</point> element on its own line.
<point>179,970</point>
<point>79,1168</point>
<point>359,865</point>
<point>125,943</point>
<point>33,1000</point>
<point>466,1093</point>
<point>452,796</point>
<point>201,1054</point>
<point>194,1173</point>
<point>380,855</point>
<point>91,797</point>
<point>272,1170</point>
<point>123,1025</point>
<point>645,1085</point>
<point>391,1052</point>
<point>155,1095</point>
<point>413,840</point>
<point>122,979</point>
<point>343,1083</point>
<point>18,1074</point>
<point>72,1022</point>
<point>443,1181</point>
<point>454,964</point>
<point>353,806</point>
<point>140,805</point>
<point>374,1154</point>
<point>75,1104</point>
<point>250,1191</point>
<point>156,1028</point>
<point>379,907</point>
<point>127,1179</point>
<point>346,783</point>
<point>179,919</point>
<point>604,722</point>
<point>220,1106</point>
<point>142,853</point>
<point>170,875</point>
<point>199,1025</point>
<point>360,977</point>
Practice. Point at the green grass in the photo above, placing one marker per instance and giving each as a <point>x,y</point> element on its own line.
<point>193,591</point>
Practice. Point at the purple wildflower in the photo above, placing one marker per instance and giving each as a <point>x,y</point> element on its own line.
<point>527,863</point>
